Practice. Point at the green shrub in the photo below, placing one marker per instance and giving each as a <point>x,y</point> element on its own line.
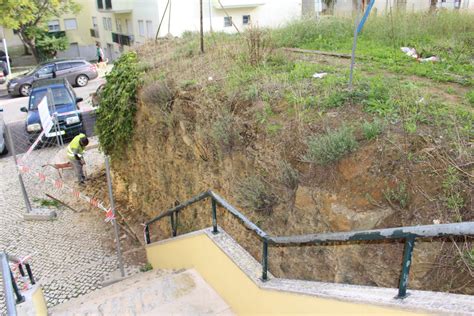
<point>224,131</point>
<point>288,175</point>
<point>117,107</point>
<point>254,193</point>
<point>372,129</point>
<point>146,267</point>
<point>324,149</point>
<point>398,195</point>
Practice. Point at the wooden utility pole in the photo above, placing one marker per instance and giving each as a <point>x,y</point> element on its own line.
<point>202,29</point>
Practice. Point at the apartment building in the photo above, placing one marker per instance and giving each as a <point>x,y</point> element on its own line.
<point>124,23</point>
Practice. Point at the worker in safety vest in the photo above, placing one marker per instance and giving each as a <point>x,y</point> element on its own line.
<point>75,152</point>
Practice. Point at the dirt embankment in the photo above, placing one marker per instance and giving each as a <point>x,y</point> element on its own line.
<point>192,136</point>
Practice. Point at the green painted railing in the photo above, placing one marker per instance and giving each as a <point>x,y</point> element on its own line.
<point>408,234</point>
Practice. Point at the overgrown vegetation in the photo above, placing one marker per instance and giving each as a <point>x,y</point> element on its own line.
<point>255,194</point>
<point>324,149</point>
<point>115,115</point>
<point>309,146</point>
<point>447,34</point>
<point>372,129</point>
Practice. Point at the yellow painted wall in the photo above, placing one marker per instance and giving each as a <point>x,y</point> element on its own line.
<point>239,291</point>
<point>39,303</point>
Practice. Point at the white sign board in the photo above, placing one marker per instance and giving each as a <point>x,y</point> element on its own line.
<point>45,116</point>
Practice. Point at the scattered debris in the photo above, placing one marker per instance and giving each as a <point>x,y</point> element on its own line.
<point>320,75</point>
<point>432,58</point>
<point>411,52</point>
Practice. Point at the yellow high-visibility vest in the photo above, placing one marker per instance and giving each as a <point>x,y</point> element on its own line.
<point>75,146</point>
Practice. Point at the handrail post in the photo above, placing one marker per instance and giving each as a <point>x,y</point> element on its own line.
<point>407,259</point>
<point>20,268</point>
<point>174,223</point>
<point>19,298</point>
<point>265,261</point>
<point>147,235</point>
<point>30,274</point>
<point>214,216</point>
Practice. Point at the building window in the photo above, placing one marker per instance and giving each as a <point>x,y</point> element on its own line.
<point>149,29</point>
<point>141,28</point>
<point>118,25</point>
<point>108,4</point>
<point>107,23</point>
<point>53,26</point>
<point>227,21</point>
<point>94,22</point>
<point>70,24</point>
<point>245,19</point>
<point>100,4</point>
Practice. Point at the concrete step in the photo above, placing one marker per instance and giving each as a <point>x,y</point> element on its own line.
<point>155,292</point>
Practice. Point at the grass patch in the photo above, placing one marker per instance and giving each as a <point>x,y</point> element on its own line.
<point>47,203</point>
<point>372,130</point>
<point>325,149</point>
<point>446,34</point>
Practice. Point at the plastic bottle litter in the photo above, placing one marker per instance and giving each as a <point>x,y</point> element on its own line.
<point>320,75</point>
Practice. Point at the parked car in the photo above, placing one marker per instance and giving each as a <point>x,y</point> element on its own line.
<point>3,57</point>
<point>77,72</point>
<point>3,68</point>
<point>64,101</point>
<point>3,145</point>
<point>2,77</point>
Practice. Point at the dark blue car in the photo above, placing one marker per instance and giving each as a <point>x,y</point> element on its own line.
<point>64,103</point>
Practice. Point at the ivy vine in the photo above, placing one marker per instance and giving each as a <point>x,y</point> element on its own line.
<point>117,107</point>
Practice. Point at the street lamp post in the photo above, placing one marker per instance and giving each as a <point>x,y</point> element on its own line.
<point>6,51</point>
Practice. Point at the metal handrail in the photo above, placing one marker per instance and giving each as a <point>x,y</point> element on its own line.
<point>408,233</point>
<point>8,282</point>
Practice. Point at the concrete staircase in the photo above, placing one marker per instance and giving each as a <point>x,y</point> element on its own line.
<point>155,292</point>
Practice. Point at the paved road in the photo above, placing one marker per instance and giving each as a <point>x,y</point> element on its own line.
<point>15,119</point>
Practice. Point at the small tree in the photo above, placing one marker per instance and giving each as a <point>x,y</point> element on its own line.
<point>48,45</point>
<point>30,16</point>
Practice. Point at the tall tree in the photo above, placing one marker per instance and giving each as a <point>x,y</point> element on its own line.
<point>29,17</point>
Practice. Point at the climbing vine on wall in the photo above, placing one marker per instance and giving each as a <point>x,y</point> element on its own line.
<point>115,116</point>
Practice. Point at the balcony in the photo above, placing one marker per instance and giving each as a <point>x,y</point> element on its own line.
<point>237,4</point>
<point>94,33</point>
<point>122,39</point>
<point>57,34</point>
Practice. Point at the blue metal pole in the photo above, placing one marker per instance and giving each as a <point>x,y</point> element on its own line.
<point>366,15</point>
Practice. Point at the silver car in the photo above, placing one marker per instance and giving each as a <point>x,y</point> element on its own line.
<point>3,146</point>
<point>77,72</point>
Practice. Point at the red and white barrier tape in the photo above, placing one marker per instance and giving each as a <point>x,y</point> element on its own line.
<point>59,184</point>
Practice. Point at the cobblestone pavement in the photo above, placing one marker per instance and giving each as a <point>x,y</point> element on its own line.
<point>69,256</point>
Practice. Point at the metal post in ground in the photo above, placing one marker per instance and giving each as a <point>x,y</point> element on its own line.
<point>57,128</point>
<point>112,206</point>
<point>20,177</point>
<point>201,27</point>
<point>354,44</point>
<point>7,285</point>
